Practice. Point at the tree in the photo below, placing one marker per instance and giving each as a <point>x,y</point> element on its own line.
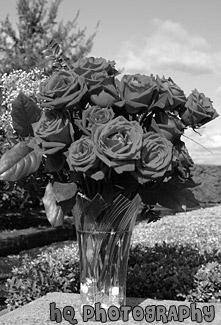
<point>22,48</point>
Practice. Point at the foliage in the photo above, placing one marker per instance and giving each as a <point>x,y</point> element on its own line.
<point>20,81</point>
<point>26,193</point>
<point>52,271</point>
<point>163,271</point>
<point>171,272</point>
<point>207,286</point>
<point>12,196</point>
<point>22,48</point>
<point>23,195</point>
<point>11,85</point>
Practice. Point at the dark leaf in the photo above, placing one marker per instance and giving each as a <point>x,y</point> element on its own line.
<point>67,205</point>
<point>162,101</point>
<point>169,196</point>
<point>74,176</point>
<point>55,162</point>
<point>128,183</point>
<point>108,192</point>
<point>189,183</point>
<point>24,112</point>
<point>177,199</point>
<point>148,194</point>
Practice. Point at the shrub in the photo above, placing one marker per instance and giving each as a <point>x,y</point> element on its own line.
<point>166,271</point>
<point>11,85</point>
<point>207,284</point>
<point>23,195</point>
<point>11,195</point>
<point>53,270</point>
<point>19,194</point>
<point>163,271</point>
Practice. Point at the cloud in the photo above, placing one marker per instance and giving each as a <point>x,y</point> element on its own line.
<point>206,158</point>
<point>218,91</point>
<point>204,148</point>
<point>168,46</point>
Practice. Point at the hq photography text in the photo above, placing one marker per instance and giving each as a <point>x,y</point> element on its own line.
<point>150,313</point>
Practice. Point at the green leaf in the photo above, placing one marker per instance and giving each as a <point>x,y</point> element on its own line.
<point>63,197</point>
<point>64,191</point>
<point>24,112</point>
<point>18,162</point>
<point>53,212</point>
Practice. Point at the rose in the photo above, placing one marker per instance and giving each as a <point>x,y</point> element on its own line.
<point>104,93</point>
<point>118,143</point>
<point>170,126</point>
<point>156,157</point>
<point>171,96</point>
<point>86,67</point>
<point>53,130</point>
<point>137,92</point>
<point>53,126</point>
<point>81,155</point>
<point>198,110</point>
<point>62,90</point>
<point>99,75</point>
<point>95,115</point>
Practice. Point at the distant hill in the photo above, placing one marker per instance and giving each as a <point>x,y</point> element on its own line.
<point>209,191</point>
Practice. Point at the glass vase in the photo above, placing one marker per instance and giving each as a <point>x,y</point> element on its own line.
<point>104,233</point>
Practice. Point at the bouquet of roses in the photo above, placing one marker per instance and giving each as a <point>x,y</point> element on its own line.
<point>102,137</point>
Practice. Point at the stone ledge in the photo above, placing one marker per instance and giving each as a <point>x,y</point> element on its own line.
<point>38,312</point>
<point>15,241</point>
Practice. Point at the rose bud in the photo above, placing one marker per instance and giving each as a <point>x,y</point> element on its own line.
<point>198,110</point>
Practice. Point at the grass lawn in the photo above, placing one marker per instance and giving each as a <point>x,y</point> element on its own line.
<point>199,228</point>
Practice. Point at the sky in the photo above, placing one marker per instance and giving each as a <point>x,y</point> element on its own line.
<point>171,38</point>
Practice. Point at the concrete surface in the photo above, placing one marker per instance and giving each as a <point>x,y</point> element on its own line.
<point>38,312</point>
